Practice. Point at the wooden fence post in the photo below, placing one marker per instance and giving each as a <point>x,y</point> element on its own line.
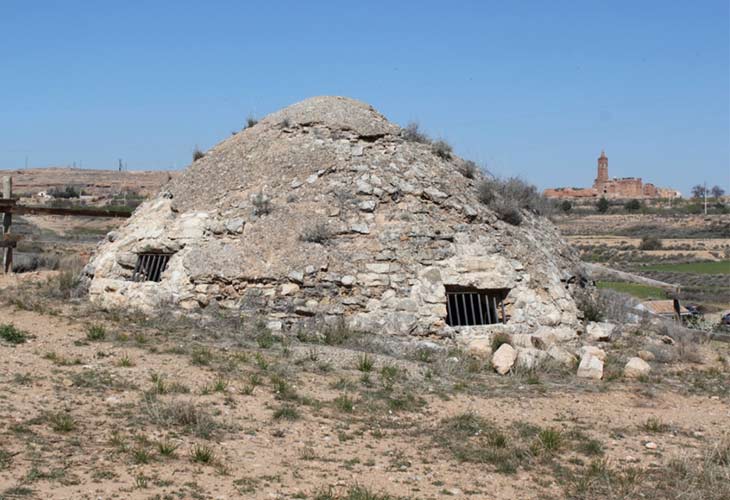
<point>7,219</point>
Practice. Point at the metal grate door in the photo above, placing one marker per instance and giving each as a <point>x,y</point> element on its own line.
<point>150,266</point>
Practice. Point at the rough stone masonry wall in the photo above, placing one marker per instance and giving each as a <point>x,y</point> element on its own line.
<point>401,224</point>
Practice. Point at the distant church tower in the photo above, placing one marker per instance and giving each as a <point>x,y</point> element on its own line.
<point>602,168</point>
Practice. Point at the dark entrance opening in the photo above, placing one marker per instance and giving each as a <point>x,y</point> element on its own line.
<point>468,306</point>
<point>150,266</point>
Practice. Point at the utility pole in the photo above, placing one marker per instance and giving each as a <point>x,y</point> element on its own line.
<point>705,190</point>
<point>120,164</point>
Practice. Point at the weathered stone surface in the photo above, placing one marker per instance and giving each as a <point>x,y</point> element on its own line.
<point>590,367</point>
<point>360,227</point>
<point>504,359</point>
<point>600,332</point>
<point>289,288</point>
<point>646,355</point>
<point>551,335</point>
<point>480,347</point>
<point>296,277</point>
<point>562,356</point>
<point>235,225</point>
<point>636,367</point>
<point>367,205</point>
<point>593,351</point>
<point>530,358</point>
<point>347,280</point>
<point>353,211</point>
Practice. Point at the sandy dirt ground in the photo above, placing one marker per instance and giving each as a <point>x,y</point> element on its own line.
<point>111,447</point>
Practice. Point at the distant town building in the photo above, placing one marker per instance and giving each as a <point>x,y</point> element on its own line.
<point>617,188</point>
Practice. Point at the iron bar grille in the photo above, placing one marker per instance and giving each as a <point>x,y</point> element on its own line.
<point>150,266</point>
<point>471,307</point>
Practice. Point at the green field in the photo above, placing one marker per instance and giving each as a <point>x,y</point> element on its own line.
<point>642,292</point>
<point>721,267</point>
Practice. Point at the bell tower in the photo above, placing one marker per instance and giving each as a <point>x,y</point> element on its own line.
<point>602,168</point>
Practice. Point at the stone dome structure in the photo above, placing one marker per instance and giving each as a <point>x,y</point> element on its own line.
<point>326,210</point>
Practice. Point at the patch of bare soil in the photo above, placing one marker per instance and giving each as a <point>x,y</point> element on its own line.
<point>105,405</point>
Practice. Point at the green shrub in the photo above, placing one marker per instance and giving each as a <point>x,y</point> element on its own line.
<point>201,453</point>
<point>344,403</point>
<point>264,337</point>
<point>9,333</point>
<point>95,332</point>
<point>650,243</point>
<point>197,154</point>
<point>62,422</point>
<point>550,439</point>
<point>286,412</point>
<point>602,205</point>
<point>632,205</point>
<point>365,363</point>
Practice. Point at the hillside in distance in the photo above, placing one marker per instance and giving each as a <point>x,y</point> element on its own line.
<point>96,182</point>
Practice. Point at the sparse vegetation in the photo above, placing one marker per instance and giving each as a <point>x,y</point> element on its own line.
<point>202,454</point>
<point>319,233</point>
<point>413,133</point>
<point>469,169</point>
<point>655,425</point>
<point>286,412</point>
<point>442,149</point>
<point>602,205</point>
<point>261,204</point>
<point>62,422</point>
<point>9,333</point>
<point>508,197</point>
<point>185,414</point>
<point>167,448</point>
<point>365,363</point>
<point>632,205</point>
<point>197,154</point>
<point>96,333</point>
<point>650,243</point>
<point>66,192</point>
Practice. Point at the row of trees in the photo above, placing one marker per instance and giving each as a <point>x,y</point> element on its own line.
<point>699,191</point>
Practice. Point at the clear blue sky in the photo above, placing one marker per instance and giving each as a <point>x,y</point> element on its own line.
<point>533,88</point>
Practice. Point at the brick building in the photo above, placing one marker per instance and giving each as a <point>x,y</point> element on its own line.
<point>616,188</point>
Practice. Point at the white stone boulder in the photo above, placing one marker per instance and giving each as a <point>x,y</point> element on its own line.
<point>480,347</point>
<point>562,356</point>
<point>555,335</point>
<point>646,355</point>
<point>590,367</point>
<point>530,358</point>
<point>636,367</point>
<point>504,359</point>
<point>593,351</point>
<point>600,332</point>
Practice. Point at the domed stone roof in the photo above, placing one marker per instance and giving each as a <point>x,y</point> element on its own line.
<point>325,210</point>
